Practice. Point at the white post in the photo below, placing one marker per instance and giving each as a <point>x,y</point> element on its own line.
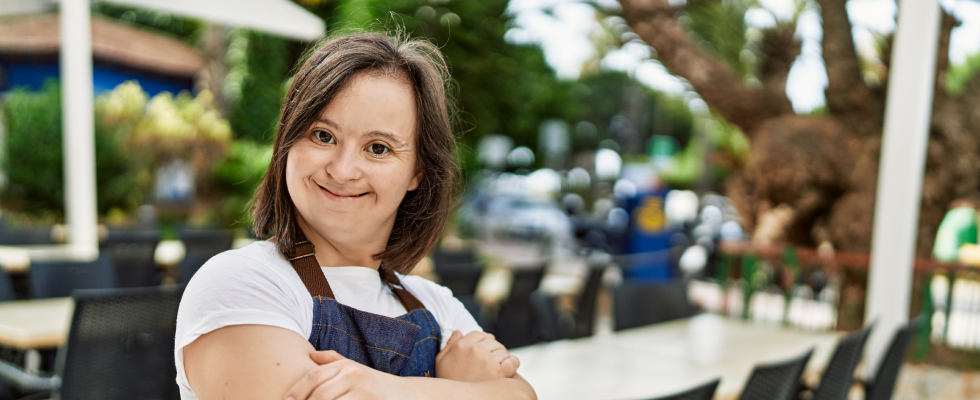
<point>903,150</point>
<point>78,127</point>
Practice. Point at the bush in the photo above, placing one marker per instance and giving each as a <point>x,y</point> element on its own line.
<point>239,174</point>
<point>33,159</point>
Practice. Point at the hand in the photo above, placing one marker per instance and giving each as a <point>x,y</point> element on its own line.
<point>338,377</point>
<point>475,357</point>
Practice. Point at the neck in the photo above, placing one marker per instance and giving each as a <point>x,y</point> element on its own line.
<point>333,253</point>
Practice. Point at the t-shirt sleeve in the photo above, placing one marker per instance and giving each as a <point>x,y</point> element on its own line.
<point>450,313</point>
<point>232,289</point>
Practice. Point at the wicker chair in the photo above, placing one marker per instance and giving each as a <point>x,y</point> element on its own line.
<point>120,347</point>
<point>703,392</point>
<point>779,381</point>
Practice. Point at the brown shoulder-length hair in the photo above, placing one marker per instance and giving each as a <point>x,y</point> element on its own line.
<point>327,70</point>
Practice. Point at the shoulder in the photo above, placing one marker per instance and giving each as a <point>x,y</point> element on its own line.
<point>256,264</point>
<point>253,281</point>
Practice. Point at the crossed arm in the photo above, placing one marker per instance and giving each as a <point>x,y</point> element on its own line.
<point>265,362</point>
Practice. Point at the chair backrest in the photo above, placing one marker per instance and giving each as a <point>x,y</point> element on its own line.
<point>644,303</point>
<point>546,326</point>
<point>585,317</point>
<point>132,254</point>
<point>25,236</point>
<point>881,387</point>
<point>58,279</point>
<point>457,270</point>
<point>779,381</point>
<point>6,287</point>
<point>703,392</point>
<point>839,374</point>
<point>200,246</point>
<point>515,323</point>
<point>121,345</point>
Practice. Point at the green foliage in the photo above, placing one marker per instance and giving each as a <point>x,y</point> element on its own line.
<point>719,26</point>
<point>33,159</point>
<point>961,74</point>
<point>503,88</point>
<point>186,29</point>
<point>238,175</point>
<point>243,166</point>
<point>258,65</point>
<point>600,97</point>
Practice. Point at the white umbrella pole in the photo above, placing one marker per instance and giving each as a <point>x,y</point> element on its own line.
<point>903,152</point>
<point>78,126</point>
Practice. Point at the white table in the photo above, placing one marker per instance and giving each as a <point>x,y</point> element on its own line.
<point>666,358</point>
<point>35,324</point>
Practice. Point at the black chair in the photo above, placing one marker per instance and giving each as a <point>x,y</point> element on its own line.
<point>132,254</point>
<point>6,287</point>
<point>547,320</point>
<point>643,303</point>
<point>703,392</point>
<point>458,270</point>
<point>120,347</point>
<point>883,383</point>
<point>585,314</point>
<point>58,279</point>
<point>200,246</point>
<point>838,377</point>
<point>25,236</point>
<point>779,381</point>
<point>551,324</point>
<point>514,326</point>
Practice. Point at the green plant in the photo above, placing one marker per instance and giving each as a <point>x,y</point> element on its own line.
<point>33,159</point>
<point>238,174</point>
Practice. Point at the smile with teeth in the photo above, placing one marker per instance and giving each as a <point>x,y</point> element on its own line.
<point>349,196</point>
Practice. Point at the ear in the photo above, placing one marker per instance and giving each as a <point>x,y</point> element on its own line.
<point>414,184</point>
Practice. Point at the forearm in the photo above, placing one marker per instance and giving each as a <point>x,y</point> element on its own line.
<point>503,388</point>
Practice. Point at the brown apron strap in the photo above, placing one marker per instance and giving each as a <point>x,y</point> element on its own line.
<point>304,262</point>
<point>408,300</point>
<point>303,259</point>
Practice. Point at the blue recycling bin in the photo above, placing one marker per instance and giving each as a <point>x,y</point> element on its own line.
<point>650,256</point>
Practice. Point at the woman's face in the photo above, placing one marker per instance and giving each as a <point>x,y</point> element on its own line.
<point>350,170</point>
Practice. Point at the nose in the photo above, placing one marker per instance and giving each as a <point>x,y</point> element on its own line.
<point>344,165</point>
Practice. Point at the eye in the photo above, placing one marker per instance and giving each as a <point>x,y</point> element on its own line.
<point>323,136</point>
<point>378,149</point>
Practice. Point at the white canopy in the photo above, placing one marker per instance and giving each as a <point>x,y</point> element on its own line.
<point>279,17</point>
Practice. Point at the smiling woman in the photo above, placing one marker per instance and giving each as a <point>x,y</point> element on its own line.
<point>360,186</point>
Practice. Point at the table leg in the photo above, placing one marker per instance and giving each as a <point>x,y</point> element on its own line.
<point>32,361</point>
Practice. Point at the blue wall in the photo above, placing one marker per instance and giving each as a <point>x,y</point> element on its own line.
<point>33,75</point>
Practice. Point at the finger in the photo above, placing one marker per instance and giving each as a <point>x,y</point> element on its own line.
<point>332,389</point>
<point>302,389</point>
<point>498,356</point>
<point>326,357</point>
<point>455,337</point>
<point>490,345</point>
<point>473,338</point>
<point>509,366</point>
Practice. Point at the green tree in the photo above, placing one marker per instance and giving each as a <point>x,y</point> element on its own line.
<point>503,88</point>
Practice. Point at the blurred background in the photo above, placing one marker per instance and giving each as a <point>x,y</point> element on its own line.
<point>624,164</point>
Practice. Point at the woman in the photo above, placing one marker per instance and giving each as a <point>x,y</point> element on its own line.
<point>359,189</point>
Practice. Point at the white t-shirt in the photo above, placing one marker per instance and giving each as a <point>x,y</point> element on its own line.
<point>256,285</point>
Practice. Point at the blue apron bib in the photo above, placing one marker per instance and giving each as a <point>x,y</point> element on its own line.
<point>404,346</point>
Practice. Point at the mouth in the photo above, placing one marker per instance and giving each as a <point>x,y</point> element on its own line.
<point>345,196</point>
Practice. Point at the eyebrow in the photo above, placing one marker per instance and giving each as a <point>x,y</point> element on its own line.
<point>374,133</point>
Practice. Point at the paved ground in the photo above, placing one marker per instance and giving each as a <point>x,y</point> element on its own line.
<point>921,382</point>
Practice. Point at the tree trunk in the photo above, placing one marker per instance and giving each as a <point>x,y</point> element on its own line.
<point>824,168</point>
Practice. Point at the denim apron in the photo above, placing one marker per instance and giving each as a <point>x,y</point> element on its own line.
<point>404,346</point>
